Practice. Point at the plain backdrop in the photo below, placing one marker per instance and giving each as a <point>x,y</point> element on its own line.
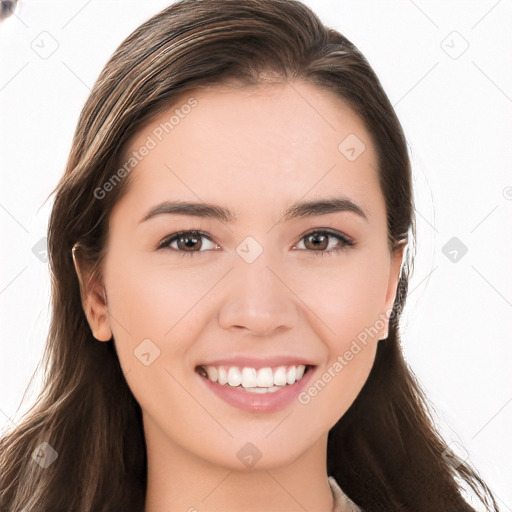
<point>446,67</point>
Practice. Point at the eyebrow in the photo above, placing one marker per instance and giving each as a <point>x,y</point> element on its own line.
<point>296,210</point>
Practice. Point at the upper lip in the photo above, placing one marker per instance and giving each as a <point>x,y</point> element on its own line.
<point>254,362</point>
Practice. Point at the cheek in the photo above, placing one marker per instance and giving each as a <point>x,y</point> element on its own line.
<point>337,383</point>
<point>155,318</point>
<point>339,380</point>
<point>348,300</point>
<point>347,295</point>
<point>150,300</point>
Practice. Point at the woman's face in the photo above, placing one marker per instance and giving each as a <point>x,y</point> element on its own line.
<point>291,267</point>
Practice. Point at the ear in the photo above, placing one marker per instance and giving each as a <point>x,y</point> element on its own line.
<point>394,277</point>
<point>94,299</point>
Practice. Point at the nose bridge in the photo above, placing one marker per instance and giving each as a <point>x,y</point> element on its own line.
<point>256,298</point>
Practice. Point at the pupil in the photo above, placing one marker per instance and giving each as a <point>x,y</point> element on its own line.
<point>318,240</point>
<point>190,241</point>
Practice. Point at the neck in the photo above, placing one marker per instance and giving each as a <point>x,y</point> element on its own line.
<point>179,480</point>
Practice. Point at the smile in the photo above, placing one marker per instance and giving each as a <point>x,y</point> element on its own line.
<point>265,389</point>
<point>250,379</point>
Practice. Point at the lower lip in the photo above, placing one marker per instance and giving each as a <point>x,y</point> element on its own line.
<point>259,402</point>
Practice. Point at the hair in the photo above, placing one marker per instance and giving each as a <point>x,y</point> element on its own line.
<point>385,451</point>
<point>7,8</point>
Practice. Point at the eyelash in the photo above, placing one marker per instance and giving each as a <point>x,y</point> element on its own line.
<point>345,242</point>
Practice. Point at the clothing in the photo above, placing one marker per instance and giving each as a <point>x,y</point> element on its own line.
<point>342,503</point>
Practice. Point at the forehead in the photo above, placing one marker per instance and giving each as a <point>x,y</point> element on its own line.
<point>266,143</point>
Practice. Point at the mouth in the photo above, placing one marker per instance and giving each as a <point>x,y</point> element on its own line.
<point>254,380</point>
<point>264,389</point>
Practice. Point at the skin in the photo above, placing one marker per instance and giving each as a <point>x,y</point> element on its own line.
<point>254,150</point>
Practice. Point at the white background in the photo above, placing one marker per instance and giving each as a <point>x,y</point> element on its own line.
<point>456,110</point>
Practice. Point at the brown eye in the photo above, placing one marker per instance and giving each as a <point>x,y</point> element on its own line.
<point>187,242</point>
<point>316,241</point>
<point>325,241</point>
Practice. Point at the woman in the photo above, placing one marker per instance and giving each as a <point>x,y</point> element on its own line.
<point>229,251</point>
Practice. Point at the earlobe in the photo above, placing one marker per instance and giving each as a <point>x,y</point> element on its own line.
<point>95,308</point>
<point>94,301</point>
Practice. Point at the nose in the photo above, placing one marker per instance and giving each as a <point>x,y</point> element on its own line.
<point>258,299</point>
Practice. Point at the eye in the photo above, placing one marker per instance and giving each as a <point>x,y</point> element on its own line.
<point>322,242</point>
<point>325,242</point>
<point>187,242</point>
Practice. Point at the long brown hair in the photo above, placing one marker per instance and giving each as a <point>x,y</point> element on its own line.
<point>385,451</point>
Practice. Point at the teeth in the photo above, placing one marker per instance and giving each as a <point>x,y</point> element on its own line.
<point>249,378</point>
<point>280,376</point>
<point>234,377</point>
<point>222,375</point>
<point>291,374</point>
<point>264,380</point>
<point>212,373</point>
<point>263,390</point>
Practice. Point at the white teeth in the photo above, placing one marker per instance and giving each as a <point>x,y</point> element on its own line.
<point>222,375</point>
<point>212,373</point>
<point>257,381</point>
<point>264,390</point>
<point>291,375</point>
<point>249,378</point>
<point>265,378</point>
<point>234,377</point>
<point>280,376</point>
